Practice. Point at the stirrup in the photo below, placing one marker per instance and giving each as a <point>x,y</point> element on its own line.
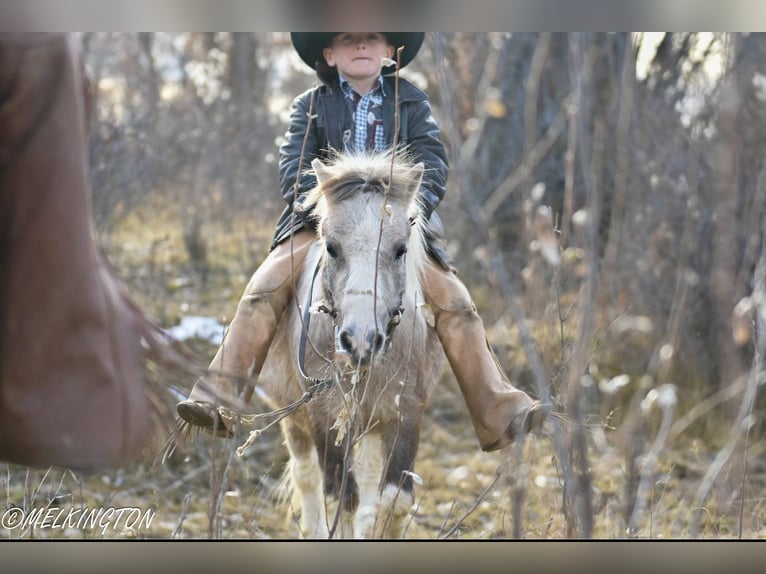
<point>523,423</point>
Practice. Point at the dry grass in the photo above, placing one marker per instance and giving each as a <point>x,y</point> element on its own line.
<point>462,496</point>
<point>205,491</point>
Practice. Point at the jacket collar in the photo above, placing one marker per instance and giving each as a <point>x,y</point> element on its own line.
<point>346,87</point>
<point>331,98</point>
<point>407,90</point>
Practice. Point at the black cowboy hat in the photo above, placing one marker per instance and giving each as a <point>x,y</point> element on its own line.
<point>310,45</point>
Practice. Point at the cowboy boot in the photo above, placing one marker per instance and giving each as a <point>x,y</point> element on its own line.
<point>499,411</point>
<point>227,386</point>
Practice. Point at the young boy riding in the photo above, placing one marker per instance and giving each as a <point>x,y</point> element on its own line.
<point>354,109</point>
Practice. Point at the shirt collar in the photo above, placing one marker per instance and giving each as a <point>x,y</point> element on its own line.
<point>348,90</point>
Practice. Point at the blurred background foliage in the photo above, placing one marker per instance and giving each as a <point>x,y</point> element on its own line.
<point>658,137</point>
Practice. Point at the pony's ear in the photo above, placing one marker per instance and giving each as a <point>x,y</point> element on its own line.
<point>321,171</point>
<point>417,176</point>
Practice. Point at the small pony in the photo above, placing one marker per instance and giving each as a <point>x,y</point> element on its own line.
<point>359,344</point>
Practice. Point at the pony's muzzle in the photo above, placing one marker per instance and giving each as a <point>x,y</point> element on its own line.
<point>361,344</point>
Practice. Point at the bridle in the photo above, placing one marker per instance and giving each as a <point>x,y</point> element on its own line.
<point>395,317</point>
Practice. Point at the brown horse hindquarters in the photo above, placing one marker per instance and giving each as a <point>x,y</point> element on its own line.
<point>71,371</point>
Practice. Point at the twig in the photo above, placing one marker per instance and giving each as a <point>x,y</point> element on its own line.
<point>705,406</point>
<point>187,477</point>
<point>744,420</point>
<point>667,406</point>
<point>404,379</point>
<point>581,75</point>
<point>572,111</point>
<point>386,188</point>
<point>497,264</point>
<point>624,116</point>
<point>490,73</point>
<point>743,485</point>
<point>296,191</point>
<point>349,441</point>
<point>218,474</point>
<point>532,89</point>
<point>184,514</point>
<point>533,157</point>
<point>518,489</point>
<point>446,518</point>
<point>413,514</point>
<point>395,142</point>
<point>477,502</point>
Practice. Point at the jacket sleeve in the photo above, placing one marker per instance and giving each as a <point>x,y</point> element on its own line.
<point>425,144</point>
<point>290,150</point>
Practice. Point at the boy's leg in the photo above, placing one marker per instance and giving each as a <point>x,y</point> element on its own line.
<point>241,355</point>
<point>499,411</point>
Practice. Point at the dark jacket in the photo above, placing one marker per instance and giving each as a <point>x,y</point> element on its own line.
<point>418,133</point>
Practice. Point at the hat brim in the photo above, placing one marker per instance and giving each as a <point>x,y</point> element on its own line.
<point>310,46</point>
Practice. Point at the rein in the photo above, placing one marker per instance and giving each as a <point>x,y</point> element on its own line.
<point>305,333</point>
<point>315,386</point>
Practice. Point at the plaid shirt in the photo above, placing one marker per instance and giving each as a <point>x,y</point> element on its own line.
<point>368,118</point>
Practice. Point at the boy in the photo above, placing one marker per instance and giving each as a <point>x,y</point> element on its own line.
<point>354,109</point>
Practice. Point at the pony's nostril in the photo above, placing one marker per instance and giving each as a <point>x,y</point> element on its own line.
<point>377,341</point>
<point>360,348</point>
<point>345,341</point>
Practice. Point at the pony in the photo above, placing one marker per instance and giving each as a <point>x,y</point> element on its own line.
<point>357,342</point>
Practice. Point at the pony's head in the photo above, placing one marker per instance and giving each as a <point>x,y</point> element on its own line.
<point>370,225</point>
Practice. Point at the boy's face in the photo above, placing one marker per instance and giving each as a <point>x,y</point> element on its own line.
<point>358,55</point>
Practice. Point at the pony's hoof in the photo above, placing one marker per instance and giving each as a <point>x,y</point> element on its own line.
<point>204,416</point>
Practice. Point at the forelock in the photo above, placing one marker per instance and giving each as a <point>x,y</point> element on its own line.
<point>365,172</point>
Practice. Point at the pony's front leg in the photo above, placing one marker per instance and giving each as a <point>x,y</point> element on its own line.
<point>368,469</point>
<point>381,513</point>
<point>307,477</point>
<point>400,442</point>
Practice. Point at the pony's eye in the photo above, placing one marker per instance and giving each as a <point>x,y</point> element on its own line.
<point>332,251</point>
<point>400,252</point>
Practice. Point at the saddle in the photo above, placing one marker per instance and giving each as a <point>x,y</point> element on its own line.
<point>72,378</point>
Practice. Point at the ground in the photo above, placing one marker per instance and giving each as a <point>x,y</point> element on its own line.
<point>205,490</point>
